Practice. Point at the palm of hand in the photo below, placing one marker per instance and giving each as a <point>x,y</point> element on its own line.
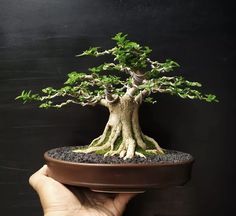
<point>58,200</point>
<point>80,202</point>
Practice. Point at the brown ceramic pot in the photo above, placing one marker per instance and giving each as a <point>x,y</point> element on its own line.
<point>119,177</point>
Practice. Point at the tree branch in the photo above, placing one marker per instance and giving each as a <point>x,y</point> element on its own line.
<point>103,102</point>
<point>141,96</point>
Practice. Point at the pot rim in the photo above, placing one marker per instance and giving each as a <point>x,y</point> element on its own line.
<point>48,158</point>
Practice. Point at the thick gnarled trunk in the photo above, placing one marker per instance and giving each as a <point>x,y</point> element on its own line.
<point>122,134</point>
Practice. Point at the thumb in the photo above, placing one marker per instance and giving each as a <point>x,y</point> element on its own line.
<point>38,178</point>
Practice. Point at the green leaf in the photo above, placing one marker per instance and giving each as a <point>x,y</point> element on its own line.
<point>74,77</point>
<point>150,100</point>
<point>27,96</point>
<point>211,98</point>
<point>21,95</point>
<point>120,37</point>
<point>46,105</point>
<point>97,69</point>
<point>92,51</point>
<point>48,90</point>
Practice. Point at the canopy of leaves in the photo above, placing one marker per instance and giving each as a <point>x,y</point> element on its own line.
<point>131,68</point>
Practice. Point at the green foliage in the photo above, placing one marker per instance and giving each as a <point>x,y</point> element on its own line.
<point>97,69</point>
<point>74,77</point>
<point>120,38</point>
<point>48,90</point>
<point>158,68</point>
<point>168,66</point>
<point>210,98</point>
<point>112,80</point>
<point>105,67</point>
<point>46,105</point>
<point>150,100</point>
<point>92,51</point>
<point>129,53</point>
<point>28,96</point>
<point>131,67</point>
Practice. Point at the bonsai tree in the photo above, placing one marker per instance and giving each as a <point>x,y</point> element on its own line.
<point>122,85</point>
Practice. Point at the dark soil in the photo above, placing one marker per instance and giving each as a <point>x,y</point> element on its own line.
<point>67,154</point>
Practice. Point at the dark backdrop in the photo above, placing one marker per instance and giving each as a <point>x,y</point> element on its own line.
<point>38,42</point>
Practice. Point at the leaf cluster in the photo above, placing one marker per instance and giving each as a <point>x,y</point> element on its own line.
<point>130,54</point>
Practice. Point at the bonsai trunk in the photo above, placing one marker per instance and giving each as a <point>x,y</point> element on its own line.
<point>122,135</point>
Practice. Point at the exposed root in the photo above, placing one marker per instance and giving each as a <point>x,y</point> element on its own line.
<point>115,136</point>
<point>115,132</point>
<point>93,149</point>
<point>110,153</point>
<point>115,152</point>
<point>95,141</point>
<point>153,151</point>
<point>122,153</point>
<point>126,149</point>
<point>137,131</point>
<point>139,154</point>
<point>130,143</point>
<point>159,149</point>
<point>99,141</point>
<point>140,141</point>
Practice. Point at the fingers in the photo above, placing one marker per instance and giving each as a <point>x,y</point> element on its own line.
<point>43,170</point>
<point>47,187</point>
<point>38,178</point>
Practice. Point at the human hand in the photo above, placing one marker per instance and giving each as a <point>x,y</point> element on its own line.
<point>58,200</point>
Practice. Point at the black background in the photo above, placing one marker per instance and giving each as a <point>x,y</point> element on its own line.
<point>38,42</point>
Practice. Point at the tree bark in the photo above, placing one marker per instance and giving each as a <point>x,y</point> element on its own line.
<point>122,134</point>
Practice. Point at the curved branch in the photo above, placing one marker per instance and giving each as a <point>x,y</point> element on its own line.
<point>93,51</point>
<point>103,102</point>
<point>131,90</point>
<point>49,104</point>
<point>141,96</point>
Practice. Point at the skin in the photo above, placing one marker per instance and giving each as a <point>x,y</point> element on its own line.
<point>59,200</point>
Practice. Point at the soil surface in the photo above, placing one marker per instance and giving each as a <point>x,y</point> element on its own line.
<point>67,154</point>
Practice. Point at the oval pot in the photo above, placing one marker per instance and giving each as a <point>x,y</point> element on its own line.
<point>119,177</point>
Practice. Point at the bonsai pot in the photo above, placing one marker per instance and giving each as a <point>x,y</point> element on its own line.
<point>128,176</point>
